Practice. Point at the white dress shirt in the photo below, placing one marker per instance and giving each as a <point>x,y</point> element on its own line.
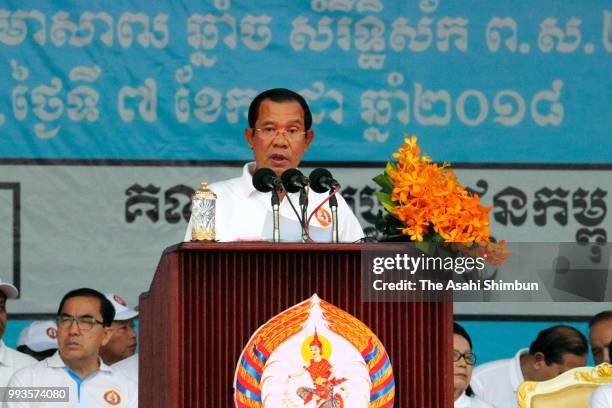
<point>128,367</point>
<point>11,361</point>
<point>497,382</point>
<point>601,397</point>
<point>471,402</point>
<point>241,212</point>
<point>102,388</point>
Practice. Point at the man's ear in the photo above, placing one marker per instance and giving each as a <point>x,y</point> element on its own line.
<point>248,136</point>
<point>309,137</point>
<point>108,333</point>
<point>539,360</point>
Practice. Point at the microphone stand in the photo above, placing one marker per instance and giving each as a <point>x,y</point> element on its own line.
<point>304,208</point>
<point>333,205</point>
<point>275,216</point>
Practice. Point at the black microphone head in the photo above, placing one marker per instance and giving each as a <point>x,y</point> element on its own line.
<point>263,180</point>
<point>293,180</point>
<point>320,179</point>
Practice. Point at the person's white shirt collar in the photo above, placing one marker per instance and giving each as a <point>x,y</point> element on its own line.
<point>463,401</point>
<point>246,179</point>
<point>56,361</point>
<point>516,374</point>
<point>6,359</point>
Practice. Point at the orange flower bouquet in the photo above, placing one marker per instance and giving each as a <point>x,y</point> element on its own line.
<point>425,202</point>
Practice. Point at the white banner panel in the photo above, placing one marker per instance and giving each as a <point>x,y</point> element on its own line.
<point>105,225</point>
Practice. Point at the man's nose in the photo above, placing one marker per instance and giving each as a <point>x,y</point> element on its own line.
<point>280,139</point>
<point>74,328</point>
<point>131,332</point>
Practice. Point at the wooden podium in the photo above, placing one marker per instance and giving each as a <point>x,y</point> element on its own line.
<point>206,300</point>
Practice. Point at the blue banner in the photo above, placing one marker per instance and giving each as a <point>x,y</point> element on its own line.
<point>479,81</point>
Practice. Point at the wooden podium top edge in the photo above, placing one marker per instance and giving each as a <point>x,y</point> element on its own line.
<point>260,246</point>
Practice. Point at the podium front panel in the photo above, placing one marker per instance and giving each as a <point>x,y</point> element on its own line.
<point>207,300</point>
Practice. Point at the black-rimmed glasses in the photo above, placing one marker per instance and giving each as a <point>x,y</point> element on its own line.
<point>84,323</point>
<point>467,356</point>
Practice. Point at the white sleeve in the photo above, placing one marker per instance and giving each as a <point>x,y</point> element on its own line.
<point>349,228</point>
<point>598,398</point>
<point>188,232</point>
<point>15,381</point>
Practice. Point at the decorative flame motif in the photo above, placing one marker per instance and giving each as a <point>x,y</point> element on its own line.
<point>314,354</point>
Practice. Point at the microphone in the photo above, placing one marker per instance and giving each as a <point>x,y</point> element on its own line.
<point>266,180</point>
<point>321,181</point>
<point>293,180</point>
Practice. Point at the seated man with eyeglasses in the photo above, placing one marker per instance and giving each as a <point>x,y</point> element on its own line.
<point>279,134</point>
<point>555,350</point>
<point>83,325</point>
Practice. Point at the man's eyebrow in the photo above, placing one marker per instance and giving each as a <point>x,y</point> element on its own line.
<point>78,317</point>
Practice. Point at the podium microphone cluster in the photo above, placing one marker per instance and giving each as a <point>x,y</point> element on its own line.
<point>293,181</point>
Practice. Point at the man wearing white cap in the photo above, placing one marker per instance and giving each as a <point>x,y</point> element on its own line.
<point>10,360</point>
<point>38,339</point>
<point>123,342</point>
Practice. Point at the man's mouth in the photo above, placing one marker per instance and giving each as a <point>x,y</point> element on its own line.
<point>278,158</point>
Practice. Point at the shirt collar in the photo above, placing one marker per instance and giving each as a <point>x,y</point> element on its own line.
<point>246,179</point>
<point>56,361</point>
<point>6,359</point>
<point>516,374</point>
<point>463,401</point>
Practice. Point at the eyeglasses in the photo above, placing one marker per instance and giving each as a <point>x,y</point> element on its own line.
<point>84,323</point>
<point>467,356</point>
<point>269,132</point>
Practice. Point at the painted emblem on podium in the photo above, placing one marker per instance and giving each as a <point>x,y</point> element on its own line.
<point>314,354</point>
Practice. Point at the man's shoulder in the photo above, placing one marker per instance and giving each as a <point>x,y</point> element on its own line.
<point>33,374</point>
<point>228,186</point>
<point>20,359</point>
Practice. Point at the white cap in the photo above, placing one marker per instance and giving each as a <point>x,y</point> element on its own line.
<point>122,311</point>
<point>9,290</point>
<point>39,336</point>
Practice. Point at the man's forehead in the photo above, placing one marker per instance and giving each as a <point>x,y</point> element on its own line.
<point>601,327</point>
<point>82,305</point>
<point>270,110</point>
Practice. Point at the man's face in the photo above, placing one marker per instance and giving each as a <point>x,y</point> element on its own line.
<point>280,151</point>
<point>2,314</point>
<point>550,371</point>
<point>76,344</point>
<point>600,335</point>
<point>122,343</point>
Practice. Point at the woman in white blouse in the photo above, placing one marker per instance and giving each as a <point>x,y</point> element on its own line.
<point>464,361</point>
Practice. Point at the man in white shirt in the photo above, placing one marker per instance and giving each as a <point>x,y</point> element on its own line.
<point>124,340</point>
<point>83,325</point>
<point>600,335</point>
<point>555,350</point>
<point>128,367</point>
<point>10,360</point>
<point>279,134</point>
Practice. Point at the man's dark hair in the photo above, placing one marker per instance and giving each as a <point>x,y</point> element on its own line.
<point>279,95</point>
<point>106,307</point>
<point>600,317</point>
<point>558,340</point>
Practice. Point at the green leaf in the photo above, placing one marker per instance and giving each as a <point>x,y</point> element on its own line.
<point>384,182</point>
<point>385,200</point>
<point>426,247</point>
